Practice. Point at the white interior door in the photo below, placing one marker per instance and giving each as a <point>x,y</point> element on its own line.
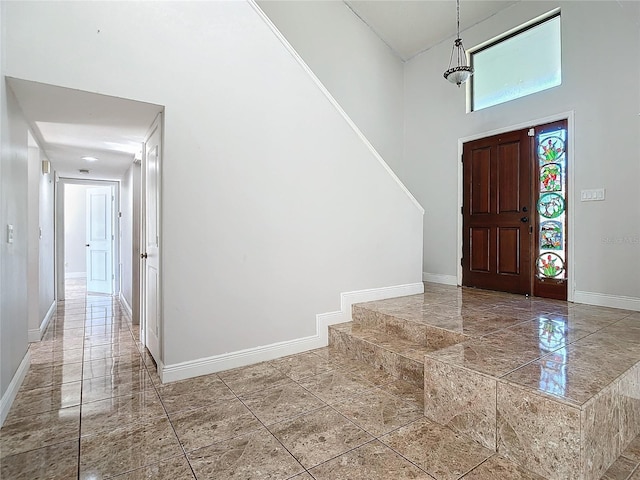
<point>150,304</point>
<point>99,245</point>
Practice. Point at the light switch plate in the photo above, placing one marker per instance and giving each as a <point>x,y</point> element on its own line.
<point>592,195</point>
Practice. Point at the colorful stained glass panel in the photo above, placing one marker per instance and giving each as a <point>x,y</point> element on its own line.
<point>551,235</point>
<point>550,265</point>
<point>551,177</point>
<point>551,205</point>
<point>551,149</point>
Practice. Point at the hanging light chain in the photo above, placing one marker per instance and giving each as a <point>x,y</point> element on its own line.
<point>461,72</point>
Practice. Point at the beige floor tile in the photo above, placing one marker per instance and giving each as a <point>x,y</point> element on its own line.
<point>46,374</point>
<point>111,413</point>
<point>337,386</point>
<point>406,391</point>
<point>40,400</point>
<point>41,430</point>
<point>47,354</point>
<point>621,469</point>
<point>281,402</point>
<point>109,350</point>
<point>173,469</point>
<point>632,452</point>
<point>439,451</point>
<point>124,339</point>
<point>302,365</point>
<point>372,461</point>
<point>100,388</point>
<point>219,421</point>
<point>250,379</point>
<point>302,476</point>
<point>257,455</point>
<point>194,393</point>
<point>127,448</point>
<point>66,343</point>
<point>499,468</point>
<point>318,436</point>
<point>56,461</point>
<point>378,412</point>
<point>121,367</point>
<point>54,333</point>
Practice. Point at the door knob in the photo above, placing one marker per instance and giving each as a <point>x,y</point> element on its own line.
<point>524,219</point>
<point>143,255</point>
<point>87,245</point>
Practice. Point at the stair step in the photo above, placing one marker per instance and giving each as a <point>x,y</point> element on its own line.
<point>551,386</point>
<point>399,357</point>
<point>418,332</point>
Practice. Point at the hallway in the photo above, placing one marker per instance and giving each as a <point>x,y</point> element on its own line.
<point>92,407</point>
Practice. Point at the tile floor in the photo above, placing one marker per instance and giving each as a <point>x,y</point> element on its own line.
<point>92,407</point>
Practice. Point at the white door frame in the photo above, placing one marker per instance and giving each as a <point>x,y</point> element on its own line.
<point>59,230</point>
<point>569,117</point>
<point>157,124</point>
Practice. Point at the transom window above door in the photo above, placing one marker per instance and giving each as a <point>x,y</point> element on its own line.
<point>521,62</point>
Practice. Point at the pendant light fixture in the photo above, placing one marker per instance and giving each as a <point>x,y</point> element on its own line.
<point>461,71</point>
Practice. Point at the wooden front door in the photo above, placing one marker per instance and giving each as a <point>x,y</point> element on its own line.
<point>497,213</point>
<point>514,212</point>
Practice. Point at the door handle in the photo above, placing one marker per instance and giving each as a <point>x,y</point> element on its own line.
<point>87,245</point>
<point>143,255</point>
<point>524,219</point>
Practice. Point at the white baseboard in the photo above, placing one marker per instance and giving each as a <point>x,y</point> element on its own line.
<point>438,278</point>
<point>12,390</point>
<point>75,275</point>
<point>226,361</point>
<point>606,300</point>
<point>35,334</point>
<point>125,305</point>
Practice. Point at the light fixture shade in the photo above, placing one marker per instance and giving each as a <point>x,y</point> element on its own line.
<point>458,75</point>
<point>459,72</point>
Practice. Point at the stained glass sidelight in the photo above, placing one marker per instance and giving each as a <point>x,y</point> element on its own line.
<point>551,206</point>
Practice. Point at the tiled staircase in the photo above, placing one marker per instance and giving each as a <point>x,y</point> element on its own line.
<point>552,386</point>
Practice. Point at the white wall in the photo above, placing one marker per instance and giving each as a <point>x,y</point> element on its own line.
<point>606,142</point>
<point>75,230</point>
<point>359,70</point>
<point>13,257</point>
<point>130,239</point>
<point>46,241</point>
<point>272,205</point>
<point>40,244</point>
<point>33,247</point>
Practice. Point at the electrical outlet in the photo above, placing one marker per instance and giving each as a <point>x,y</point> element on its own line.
<point>9,233</point>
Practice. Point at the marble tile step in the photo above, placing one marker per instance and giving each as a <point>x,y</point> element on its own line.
<point>399,357</point>
<point>567,413</point>
<point>368,317</point>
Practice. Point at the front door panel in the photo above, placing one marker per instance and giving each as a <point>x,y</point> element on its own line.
<point>497,196</point>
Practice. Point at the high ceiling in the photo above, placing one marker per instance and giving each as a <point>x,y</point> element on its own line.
<point>411,27</point>
<point>71,124</point>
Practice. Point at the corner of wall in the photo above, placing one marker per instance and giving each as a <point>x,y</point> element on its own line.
<point>12,390</point>
<point>36,334</point>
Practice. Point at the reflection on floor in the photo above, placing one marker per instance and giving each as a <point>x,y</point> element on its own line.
<point>92,407</point>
